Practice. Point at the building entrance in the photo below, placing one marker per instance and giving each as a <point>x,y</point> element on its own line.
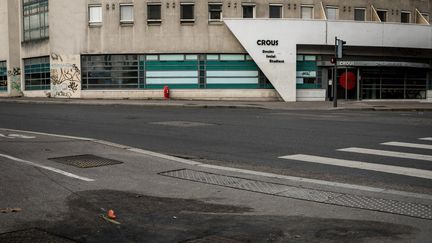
<point>346,81</point>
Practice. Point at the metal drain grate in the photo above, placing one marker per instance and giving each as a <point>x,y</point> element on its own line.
<point>32,235</point>
<point>182,124</point>
<point>212,239</point>
<point>85,161</point>
<point>354,201</point>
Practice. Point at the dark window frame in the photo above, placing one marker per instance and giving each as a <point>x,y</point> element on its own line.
<point>187,19</point>
<point>382,11</point>
<point>153,7</point>
<point>37,73</point>
<point>364,14</point>
<point>404,13</point>
<point>277,6</point>
<point>215,11</point>
<point>244,7</point>
<point>30,9</point>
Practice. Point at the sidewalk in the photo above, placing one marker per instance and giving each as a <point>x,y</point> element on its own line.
<point>410,105</point>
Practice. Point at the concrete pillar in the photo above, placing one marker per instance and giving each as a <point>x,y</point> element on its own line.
<point>14,66</point>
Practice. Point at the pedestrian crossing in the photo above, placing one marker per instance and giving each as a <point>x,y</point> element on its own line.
<point>387,153</point>
<point>364,165</point>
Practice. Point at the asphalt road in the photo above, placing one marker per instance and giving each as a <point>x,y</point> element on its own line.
<point>247,138</point>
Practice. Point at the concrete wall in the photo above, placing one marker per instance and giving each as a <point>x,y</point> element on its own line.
<point>196,94</point>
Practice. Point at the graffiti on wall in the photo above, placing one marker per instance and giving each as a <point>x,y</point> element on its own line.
<point>15,79</point>
<point>65,77</point>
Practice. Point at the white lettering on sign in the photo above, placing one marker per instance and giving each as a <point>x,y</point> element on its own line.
<point>346,63</point>
<point>13,135</point>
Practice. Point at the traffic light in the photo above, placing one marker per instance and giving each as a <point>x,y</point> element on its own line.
<point>333,60</point>
<point>340,46</point>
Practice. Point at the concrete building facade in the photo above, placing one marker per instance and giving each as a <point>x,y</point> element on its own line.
<point>215,49</point>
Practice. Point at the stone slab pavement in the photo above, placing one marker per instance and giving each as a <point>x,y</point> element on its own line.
<point>378,105</point>
<point>63,203</point>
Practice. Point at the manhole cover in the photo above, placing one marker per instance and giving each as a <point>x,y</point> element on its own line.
<point>212,239</point>
<point>182,124</point>
<point>85,161</point>
<point>417,210</point>
<point>32,236</point>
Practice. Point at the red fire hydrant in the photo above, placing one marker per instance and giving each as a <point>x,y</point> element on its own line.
<point>166,92</point>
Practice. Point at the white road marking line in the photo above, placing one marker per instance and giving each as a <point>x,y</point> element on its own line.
<point>426,139</point>
<point>13,135</point>
<point>427,174</point>
<point>388,153</point>
<point>409,145</point>
<point>252,172</point>
<point>47,168</point>
<point>49,134</point>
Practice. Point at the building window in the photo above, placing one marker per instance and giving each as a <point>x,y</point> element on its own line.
<point>37,73</point>
<point>426,16</point>
<point>382,14</point>
<point>35,19</point>
<point>126,14</point>
<point>275,11</point>
<point>109,71</point>
<point>307,12</point>
<point>95,14</point>
<point>360,14</point>
<point>215,11</point>
<point>187,12</point>
<point>307,72</point>
<point>154,13</point>
<point>248,11</point>
<point>332,13</point>
<point>405,17</point>
<point>3,76</point>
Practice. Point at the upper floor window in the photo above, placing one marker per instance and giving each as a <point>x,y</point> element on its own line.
<point>426,16</point>
<point>248,11</point>
<point>307,12</point>
<point>126,13</point>
<point>405,17</point>
<point>332,13</point>
<point>35,19</point>
<point>275,11</point>
<point>215,11</point>
<point>187,12</point>
<point>95,14</point>
<point>360,14</point>
<point>154,13</point>
<point>382,14</point>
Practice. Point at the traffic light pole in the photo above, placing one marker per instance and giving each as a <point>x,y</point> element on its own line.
<point>335,74</point>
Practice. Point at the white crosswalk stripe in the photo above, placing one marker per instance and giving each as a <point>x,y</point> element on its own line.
<point>409,145</point>
<point>426,139</point>
<point>362,165</point>
<point>387,153</point>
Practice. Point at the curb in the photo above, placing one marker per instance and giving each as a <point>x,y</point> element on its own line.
<point>208,106</point>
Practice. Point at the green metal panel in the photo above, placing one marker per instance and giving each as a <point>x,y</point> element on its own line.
<point>308,86</point>
<point>231,65</point>
<point>171,65</point>
<point>172,86</point>
<point>306,66</point>
<point>232,86</point>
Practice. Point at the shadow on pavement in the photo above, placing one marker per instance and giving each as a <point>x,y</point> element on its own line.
<point>156,219</point>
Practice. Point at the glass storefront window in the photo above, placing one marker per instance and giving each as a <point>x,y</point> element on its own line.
<point>3,76</point>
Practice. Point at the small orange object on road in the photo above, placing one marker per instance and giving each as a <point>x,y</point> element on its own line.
<point>111,214</point>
